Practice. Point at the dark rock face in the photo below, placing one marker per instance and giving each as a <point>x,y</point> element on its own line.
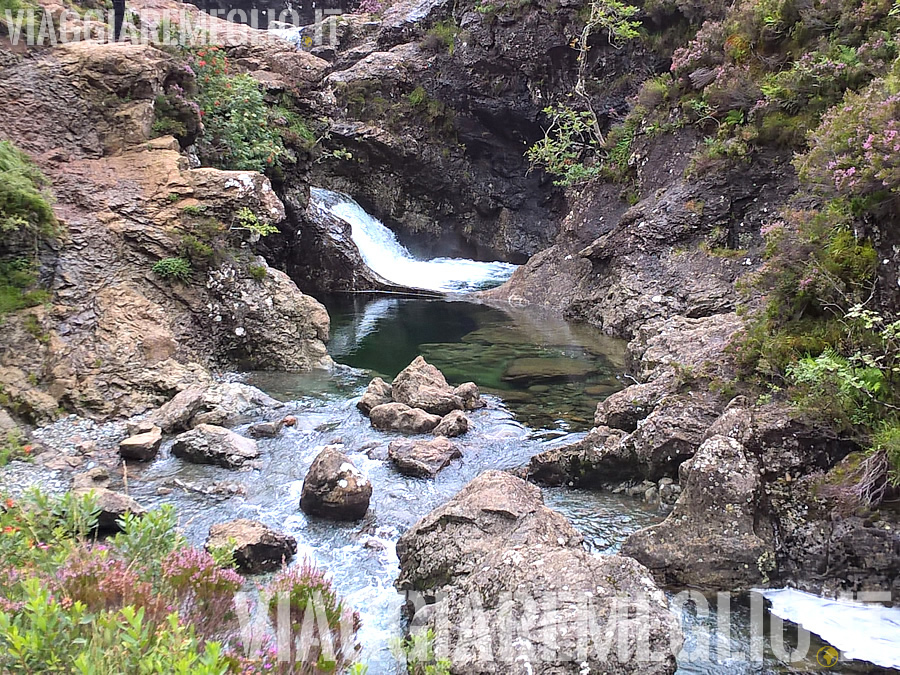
<point>209,444</point>
<point>422,459</point>
<point>257,547</point>
<point>715,537</point>
<point>334,488</point>
<point>495,510</point>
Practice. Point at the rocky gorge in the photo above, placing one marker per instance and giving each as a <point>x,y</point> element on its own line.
<point>752,413</point>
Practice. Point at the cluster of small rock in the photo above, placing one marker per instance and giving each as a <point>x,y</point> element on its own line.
<point>663,493</point>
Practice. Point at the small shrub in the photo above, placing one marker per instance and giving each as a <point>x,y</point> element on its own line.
<point>313,605</point>
<point>441,37</point>
<point>18,278</point>
<point>417,96</point>
<point>416,653</point>
<point>177,269</point>
<point>258,272</point>
<point>14,447</point>
<point>566,143</point>
<point>245,219</point>
<point>886,439</point>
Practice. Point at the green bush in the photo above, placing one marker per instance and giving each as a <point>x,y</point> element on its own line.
<point>441,37</point>
<point>236,129</point>
<point>567,142</point>
<point>258,272</point>
<point>416,653</point>
<point>177,269</point>
<point>246,219</point>
<point>17,280</point>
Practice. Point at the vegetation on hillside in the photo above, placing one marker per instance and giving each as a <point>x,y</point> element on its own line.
<point>26,222</point>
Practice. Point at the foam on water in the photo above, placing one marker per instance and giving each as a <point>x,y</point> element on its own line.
<point>386,256</point>
<point>867,632</point>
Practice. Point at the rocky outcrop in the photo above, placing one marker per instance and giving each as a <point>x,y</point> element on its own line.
<point>334,488</point>
<point>256,547</point>
<point>421,385</point>
<point>495,510</point>
<point>419,401</point>
<point>715,537</point>
<point>498,563</point>
<point>117,339</point>
<point>422,459</point>
<point>209,444</point>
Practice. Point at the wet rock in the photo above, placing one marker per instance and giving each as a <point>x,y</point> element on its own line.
<point>625,409</point>
<point>230,403</point>
<point>265,429</point>
<point>422,459</point>
<point>143,446</point>
<point>495,510</point>
<point>716,537</point>
<point>175,415</point>
<point>135,427</point>
<point>334,488</point>
<point>257,547</point>
<point>471,397</point>
<point>402,418</point>
<point>497,621</point>
<point>453,424</point>
<point>209,444</point>
<point>421,385</point>
<point>377,393</point>
<point>599,457</point>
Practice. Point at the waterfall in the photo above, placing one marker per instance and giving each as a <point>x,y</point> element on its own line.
<point>388,258</point>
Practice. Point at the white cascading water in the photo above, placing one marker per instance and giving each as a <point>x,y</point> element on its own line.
<point>389,259</point>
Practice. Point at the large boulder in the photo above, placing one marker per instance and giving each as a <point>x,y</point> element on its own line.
<point>175,414</point>
<point>495,510</point>
<point>209,444</point>
<point>549,610</point>
<point>716,537</point>
<point>400,417</point>
<point>626,408</point>
<point>377,393</point>
<point>334,488</point>
<point>257,547</point>
<point>421,385</point>
<point>143,446</point>
<point>422,459</point>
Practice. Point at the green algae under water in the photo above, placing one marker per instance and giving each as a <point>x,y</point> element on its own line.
<point>550,373</point>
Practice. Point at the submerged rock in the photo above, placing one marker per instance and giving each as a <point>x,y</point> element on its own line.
<point>496,510</point>
<point>715,538</point>
<point>535,370</point>
<point>402,418</point>
<point>209,444</point>
<point>143,446</point>
<point>334,488</point>
<point>257,547</point>
<point>422,459</point>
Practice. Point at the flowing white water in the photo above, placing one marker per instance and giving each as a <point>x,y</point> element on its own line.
<point>388,258</point>
<point>868,632</point>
